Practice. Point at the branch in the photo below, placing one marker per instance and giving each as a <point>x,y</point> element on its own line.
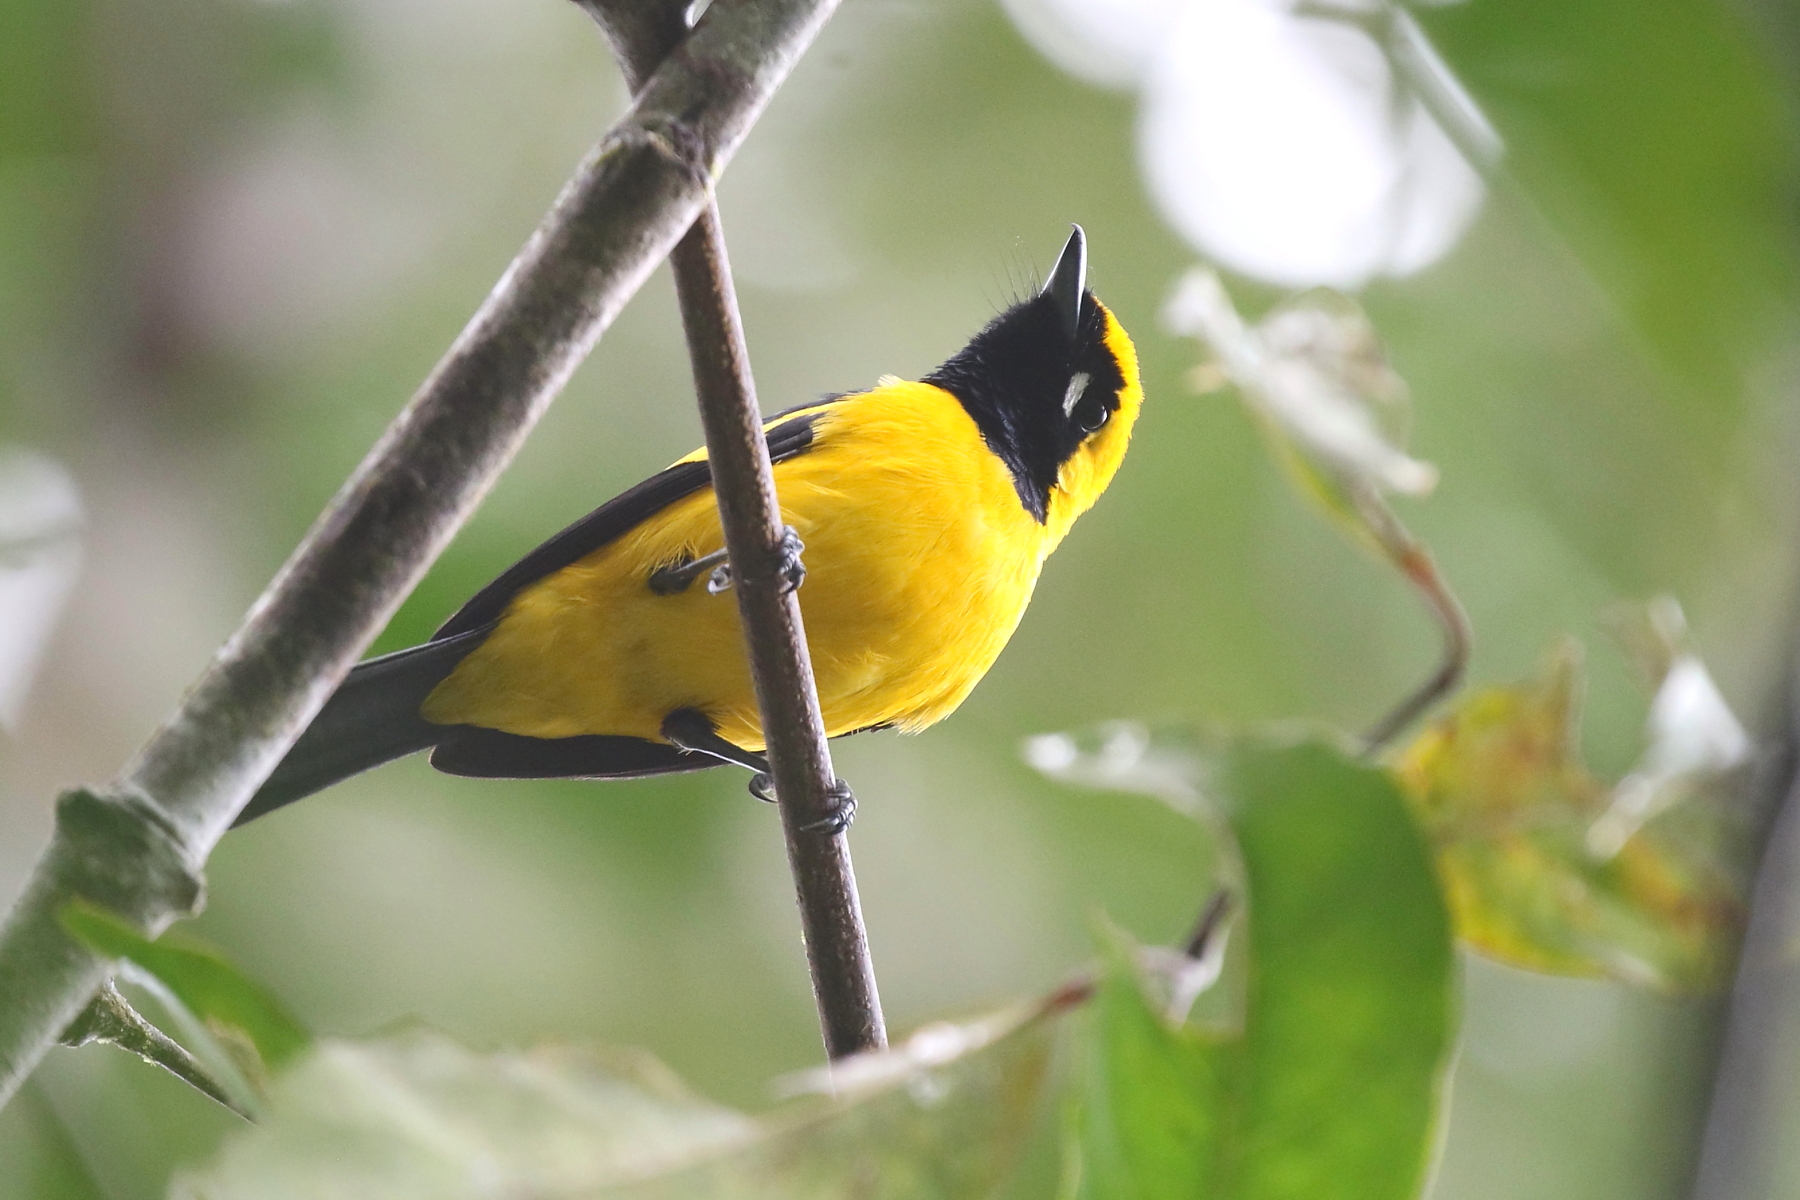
<point>137,848</point>
<point>837,947</point>
<point>1420,70</point>
<point>1749,1093</point>
<point>110,1018</point>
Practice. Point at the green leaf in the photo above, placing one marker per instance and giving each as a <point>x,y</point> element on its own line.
<point>44,106</point>
<point>414,1115</point>
<point>1332,1089</point>
<point>42,1153</point>
<point>1655,138</point>
<point>1329,1088</point>
<point>1153,1097</point>
<point>1351,995</point>
<point>210,987</point>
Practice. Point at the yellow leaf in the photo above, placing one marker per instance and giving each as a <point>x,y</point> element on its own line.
<point>1501,790</point>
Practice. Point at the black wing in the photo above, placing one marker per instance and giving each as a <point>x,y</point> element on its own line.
<point>372,717</point>
<point>609,522</point>
<point>491,754</point>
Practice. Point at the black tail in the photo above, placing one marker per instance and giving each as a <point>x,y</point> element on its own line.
<point>371,718</point>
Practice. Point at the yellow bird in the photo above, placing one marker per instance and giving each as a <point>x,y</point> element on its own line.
<point>926,511</point>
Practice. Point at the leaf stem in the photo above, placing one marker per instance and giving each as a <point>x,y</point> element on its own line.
<point>1415,562</point>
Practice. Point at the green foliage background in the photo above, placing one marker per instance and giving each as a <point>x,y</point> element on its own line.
<point>234,236</point>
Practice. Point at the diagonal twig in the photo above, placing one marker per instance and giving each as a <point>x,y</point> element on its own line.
<point>642,33</point>
<point>109,1017</point>
<point>137,847</point>
<point>1747,1101</point>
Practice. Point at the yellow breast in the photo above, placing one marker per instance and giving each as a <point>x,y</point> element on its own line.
<point>920,561</point>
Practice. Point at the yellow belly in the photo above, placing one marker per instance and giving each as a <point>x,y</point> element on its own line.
<point>920,561</point>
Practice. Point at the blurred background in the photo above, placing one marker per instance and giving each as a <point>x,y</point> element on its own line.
<point>235,234</point>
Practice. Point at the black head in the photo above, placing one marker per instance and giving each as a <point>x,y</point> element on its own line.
<point>1040,379</point>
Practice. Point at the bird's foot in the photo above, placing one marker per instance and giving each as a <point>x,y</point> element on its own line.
<point>692,731</point>
<point>789,572</point>
<point>678,577</point>
<point>840,805</point>
<point>840,811</point>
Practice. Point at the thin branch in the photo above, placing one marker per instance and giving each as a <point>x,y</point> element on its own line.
<point>137,848</point>
<point>824,882</point>
<point>641,33</point>
<point>110,1018</point>
<point>831,917</point>
<point>1748,1106</point>
<point>1418,67</point>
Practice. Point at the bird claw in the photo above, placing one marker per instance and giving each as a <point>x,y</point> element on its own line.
<point>678,577</point>
<point>789,569</point>
<point>840,803</point>
<point>841,811</point>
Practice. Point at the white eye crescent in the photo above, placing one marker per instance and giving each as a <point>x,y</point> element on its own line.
<point>1077,384</point>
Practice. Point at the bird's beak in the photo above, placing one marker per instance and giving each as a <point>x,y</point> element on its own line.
<point>1068,280</point>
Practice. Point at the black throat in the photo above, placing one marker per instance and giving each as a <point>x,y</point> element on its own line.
<point>1013,378</point>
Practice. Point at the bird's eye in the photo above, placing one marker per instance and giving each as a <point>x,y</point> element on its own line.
<point>1092,414</point>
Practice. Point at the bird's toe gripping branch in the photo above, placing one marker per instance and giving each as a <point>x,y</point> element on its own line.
<point>693,731</point>
<point>840,805</point>
<point>839,813</point>
<point>789,570</point>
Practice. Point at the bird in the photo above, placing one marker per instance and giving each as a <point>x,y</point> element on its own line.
<point>926,510</point>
